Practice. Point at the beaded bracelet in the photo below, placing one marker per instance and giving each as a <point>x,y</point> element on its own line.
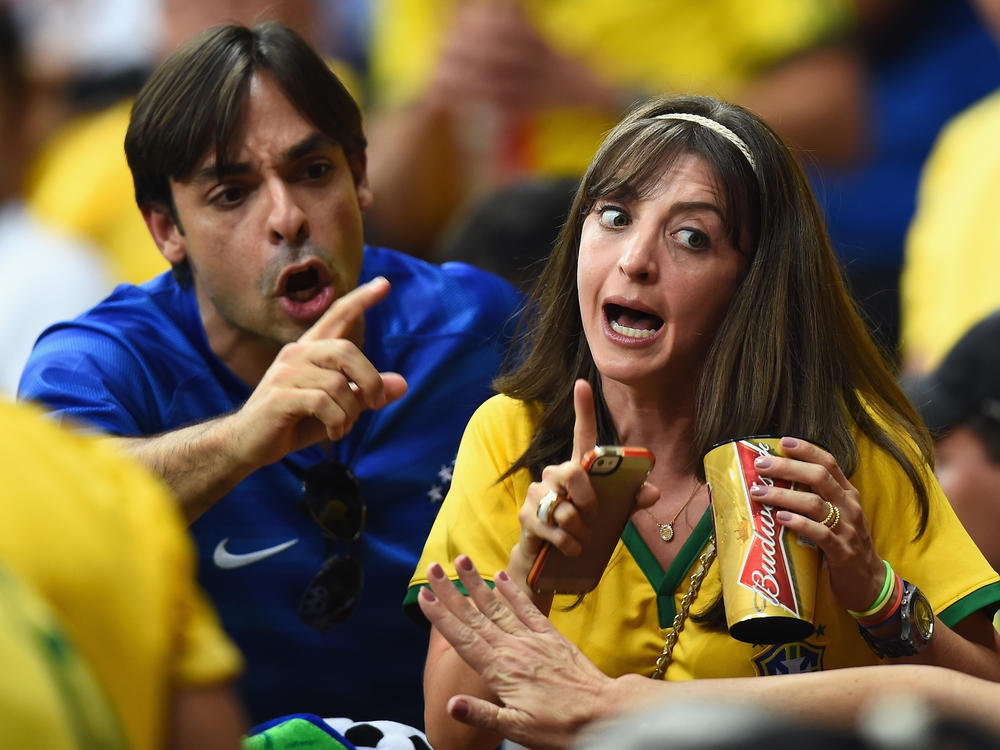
<point>890,578</point>
<point>875,622</point>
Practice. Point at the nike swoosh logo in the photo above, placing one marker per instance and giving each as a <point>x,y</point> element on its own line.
<point>223,558</point>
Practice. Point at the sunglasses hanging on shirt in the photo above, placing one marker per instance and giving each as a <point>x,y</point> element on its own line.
<point>333,498</point>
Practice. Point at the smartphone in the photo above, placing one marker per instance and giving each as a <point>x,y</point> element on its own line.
<point>616,473</point>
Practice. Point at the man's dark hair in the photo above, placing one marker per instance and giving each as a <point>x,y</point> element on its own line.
<point>194,102</point>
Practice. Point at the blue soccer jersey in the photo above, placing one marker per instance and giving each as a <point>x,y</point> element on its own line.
<point>139,364</point>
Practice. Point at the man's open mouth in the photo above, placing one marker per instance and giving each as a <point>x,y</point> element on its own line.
<point>636,324</point>
<point>302,286</point>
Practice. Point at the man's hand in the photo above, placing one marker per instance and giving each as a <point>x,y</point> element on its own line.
<point>317,386</point>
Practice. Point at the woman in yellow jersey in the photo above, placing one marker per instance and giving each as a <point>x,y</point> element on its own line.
<point>693,297</point>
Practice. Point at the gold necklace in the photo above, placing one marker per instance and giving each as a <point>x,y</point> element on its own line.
<point>694,586</point>
<point>667,529</point>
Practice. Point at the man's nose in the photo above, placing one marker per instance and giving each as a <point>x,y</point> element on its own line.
<point>287,221</point>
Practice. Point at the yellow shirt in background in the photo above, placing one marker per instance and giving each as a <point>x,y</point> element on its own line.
<point>650,46</point>
<point>80,182</point>
<point>951,266</point>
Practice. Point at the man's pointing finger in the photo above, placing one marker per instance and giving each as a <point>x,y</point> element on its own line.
<point>342,315</point>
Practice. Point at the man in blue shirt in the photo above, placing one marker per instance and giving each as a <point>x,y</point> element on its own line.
<point>303,395</point>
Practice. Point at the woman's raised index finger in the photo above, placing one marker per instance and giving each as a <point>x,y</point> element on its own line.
<point>341,316</point>
<point>585,425</point>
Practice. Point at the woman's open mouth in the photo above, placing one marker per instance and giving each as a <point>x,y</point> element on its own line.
<point>630,323</point>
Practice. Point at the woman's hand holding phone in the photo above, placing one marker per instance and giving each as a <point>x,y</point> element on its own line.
<point>574,522</point>
<point>567,530</point>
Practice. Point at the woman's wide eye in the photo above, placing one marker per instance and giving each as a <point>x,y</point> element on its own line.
<point>692,238</point>
<point>613,217</point>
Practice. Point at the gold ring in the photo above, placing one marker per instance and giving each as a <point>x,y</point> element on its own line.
<point>547,505</point>
<point>836,518</point>
<point>832,515</point>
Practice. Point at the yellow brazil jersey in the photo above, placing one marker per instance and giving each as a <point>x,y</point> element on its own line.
<point>621,625</point>
<point>104,544</point>
<point>49,696</point>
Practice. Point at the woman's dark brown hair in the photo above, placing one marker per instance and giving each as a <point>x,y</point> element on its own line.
<point>791,357</point>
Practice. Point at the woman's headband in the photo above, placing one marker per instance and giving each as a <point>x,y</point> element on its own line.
<point>717,127</point>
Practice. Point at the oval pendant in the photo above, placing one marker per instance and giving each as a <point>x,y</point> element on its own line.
<point>666,531</point>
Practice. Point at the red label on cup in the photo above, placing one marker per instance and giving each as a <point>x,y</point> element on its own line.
<point>765,569</point>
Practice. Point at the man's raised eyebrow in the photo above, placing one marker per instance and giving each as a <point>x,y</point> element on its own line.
<point>314,142</point>
<point>210,172</point>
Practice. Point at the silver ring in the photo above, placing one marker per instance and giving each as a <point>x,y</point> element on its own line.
<point>547,505</point>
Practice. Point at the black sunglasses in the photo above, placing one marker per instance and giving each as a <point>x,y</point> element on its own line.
<point>333,499</point>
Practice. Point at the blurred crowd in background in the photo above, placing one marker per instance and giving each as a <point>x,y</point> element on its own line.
<point>481,115</point>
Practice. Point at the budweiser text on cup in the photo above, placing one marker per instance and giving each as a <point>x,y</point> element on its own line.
<point>769,574</point>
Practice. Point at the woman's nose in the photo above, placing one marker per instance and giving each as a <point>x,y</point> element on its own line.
<point>638,258</point>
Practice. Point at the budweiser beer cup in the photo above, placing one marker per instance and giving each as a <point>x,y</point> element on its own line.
<point>768,574</point>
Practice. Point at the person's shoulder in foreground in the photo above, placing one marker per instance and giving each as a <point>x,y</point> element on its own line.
<point>49,695</point>
<point>102,541</point>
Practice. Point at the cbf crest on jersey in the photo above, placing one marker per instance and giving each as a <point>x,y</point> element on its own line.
<point>790,658</point>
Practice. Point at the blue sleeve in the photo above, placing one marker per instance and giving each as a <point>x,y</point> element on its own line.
<point>76,373</point>
<point>498,298</point>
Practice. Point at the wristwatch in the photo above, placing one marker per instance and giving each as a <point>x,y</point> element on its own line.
<point>916,626</point>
